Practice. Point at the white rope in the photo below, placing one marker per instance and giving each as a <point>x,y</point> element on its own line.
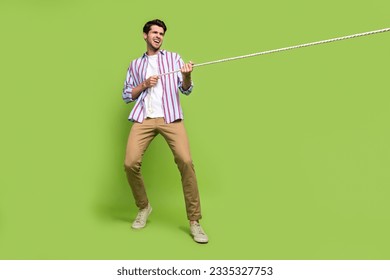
<point>286,49</point>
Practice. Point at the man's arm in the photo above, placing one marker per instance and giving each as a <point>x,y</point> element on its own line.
<point>131,93</point>
<point>149,82</point>
<point>186,71</point>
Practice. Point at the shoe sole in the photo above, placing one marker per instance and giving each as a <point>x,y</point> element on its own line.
<point>199,241</point>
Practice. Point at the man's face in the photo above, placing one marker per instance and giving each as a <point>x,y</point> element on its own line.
<point>154,38</point>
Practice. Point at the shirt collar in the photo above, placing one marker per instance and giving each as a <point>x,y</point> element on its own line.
<point>160,52</point>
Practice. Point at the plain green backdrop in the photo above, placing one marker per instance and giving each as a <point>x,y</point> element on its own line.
<point>291,149</point>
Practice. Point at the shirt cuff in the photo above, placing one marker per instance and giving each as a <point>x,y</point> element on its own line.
<point>188,91</point>
<point>127,97</point>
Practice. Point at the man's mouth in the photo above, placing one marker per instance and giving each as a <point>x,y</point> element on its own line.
<point>157,41</point>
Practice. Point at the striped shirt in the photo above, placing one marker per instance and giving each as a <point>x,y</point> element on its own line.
<point>171,84</point>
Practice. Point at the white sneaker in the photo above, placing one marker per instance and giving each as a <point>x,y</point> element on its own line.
<point>142,216</point>
<point>198,233</point>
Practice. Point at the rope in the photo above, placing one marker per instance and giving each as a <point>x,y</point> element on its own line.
<point>285,49</point>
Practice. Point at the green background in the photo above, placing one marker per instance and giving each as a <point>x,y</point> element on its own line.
<point>291,149</point>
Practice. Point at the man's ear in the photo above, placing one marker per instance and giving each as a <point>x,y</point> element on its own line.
<point>145,36</point>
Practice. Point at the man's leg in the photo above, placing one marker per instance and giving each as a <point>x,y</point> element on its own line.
<point>141,134</point>
<point>176,137</point>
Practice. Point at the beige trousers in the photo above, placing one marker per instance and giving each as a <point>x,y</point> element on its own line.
<point>141,135</point>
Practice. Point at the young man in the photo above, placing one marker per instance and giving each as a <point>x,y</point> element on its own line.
<point>157,111</point>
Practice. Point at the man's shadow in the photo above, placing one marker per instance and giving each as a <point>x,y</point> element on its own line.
<point>114,200</point>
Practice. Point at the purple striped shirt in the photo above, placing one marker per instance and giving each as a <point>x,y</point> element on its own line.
<point>136,74</point>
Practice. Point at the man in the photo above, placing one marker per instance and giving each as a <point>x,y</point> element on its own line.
<point>157,111</point>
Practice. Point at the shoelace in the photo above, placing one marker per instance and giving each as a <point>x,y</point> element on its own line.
<point>198,229</point>
<point>141,215</point>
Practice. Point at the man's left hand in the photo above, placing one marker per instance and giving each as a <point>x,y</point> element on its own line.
<point>187,69</point>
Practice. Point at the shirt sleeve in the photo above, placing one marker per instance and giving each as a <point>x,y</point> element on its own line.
<point>180,77</point>
<point>128,86</point>
<point>188,91</point>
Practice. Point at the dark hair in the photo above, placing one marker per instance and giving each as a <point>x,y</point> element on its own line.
<point>157,22</point>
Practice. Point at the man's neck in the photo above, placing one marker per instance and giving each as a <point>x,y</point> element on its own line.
<point>152,52</point>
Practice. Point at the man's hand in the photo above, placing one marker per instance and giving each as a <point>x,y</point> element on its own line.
<point>187,69</point>
<point>150,82</point>
<point>186,72</point>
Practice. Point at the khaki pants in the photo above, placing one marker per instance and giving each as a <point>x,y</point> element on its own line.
<point>140,137</point>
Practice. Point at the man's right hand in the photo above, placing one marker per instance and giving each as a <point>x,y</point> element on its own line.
<point>151,81</point>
